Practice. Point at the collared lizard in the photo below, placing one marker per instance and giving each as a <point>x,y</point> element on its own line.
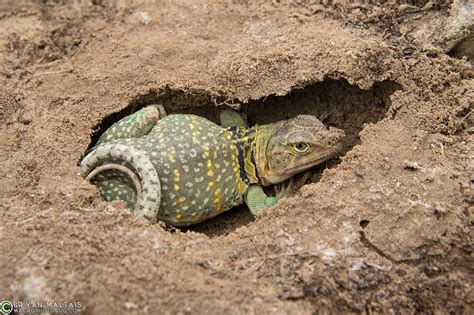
<point>183,169</point>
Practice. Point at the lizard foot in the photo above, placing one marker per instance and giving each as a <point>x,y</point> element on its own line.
<point>289,187</point>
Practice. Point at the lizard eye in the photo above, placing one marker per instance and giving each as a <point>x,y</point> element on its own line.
<point>301,147</point>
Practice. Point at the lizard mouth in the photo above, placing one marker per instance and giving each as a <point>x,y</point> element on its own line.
<point>321,157</point>
<point>328,154</point>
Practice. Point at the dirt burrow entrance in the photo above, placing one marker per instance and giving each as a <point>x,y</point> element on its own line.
<point>335,102</point>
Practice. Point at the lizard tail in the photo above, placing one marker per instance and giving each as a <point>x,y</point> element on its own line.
<point>142,173</point>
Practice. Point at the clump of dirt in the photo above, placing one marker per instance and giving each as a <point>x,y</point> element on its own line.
<point>385,227</point>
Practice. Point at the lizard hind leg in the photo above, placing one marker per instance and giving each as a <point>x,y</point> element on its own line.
<point>135,125</point>
<point>132,163</point>
<point>232,118</point>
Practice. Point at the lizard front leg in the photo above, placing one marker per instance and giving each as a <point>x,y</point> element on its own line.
<point>257,200</point>
<point>136,125</point>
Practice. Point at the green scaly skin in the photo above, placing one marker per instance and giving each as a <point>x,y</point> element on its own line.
<point>184,169</point>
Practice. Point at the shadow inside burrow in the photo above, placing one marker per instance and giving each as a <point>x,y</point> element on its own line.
<point>336,102</point>
<point>464,48</point>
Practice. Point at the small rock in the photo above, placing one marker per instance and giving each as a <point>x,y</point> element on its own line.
<point>408,51</point>
<point>130,305</point>
<point>145,17</point>
<point>440,209</point>
<point>411,165</point>
<point>455,174</point>
<point>406,8</point>
<point>428,6</point>
<point>360,172</point>
<point>317,8</point>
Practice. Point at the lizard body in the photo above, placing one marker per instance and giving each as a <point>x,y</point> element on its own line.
<point>184,169</point>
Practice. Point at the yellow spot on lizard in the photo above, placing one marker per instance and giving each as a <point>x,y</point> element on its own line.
<point>240,187</point>
<point>171,158</point>
<point>218,198</point>
<point>180,201</point>
<point>210,169</point>
<point>176,175</point>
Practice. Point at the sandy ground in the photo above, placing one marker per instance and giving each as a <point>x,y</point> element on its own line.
<point>387,227</point>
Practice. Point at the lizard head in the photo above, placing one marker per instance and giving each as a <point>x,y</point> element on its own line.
<point>295,145</point>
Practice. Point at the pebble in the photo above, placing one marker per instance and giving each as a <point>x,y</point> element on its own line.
<point>360,172</point>
<point>411,165</point>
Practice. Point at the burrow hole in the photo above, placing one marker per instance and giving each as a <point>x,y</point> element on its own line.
<point>335,102</point>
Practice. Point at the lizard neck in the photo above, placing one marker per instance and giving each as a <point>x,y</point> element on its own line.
<point>251,144</point>
<point>244,140</point>
<point>262,136</point>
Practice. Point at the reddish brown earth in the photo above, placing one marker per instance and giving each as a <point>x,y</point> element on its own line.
<point>387,227</point>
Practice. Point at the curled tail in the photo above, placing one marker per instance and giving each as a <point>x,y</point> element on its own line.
<point>140,170</point>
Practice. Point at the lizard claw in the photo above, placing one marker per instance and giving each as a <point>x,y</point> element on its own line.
<point>289,187</point>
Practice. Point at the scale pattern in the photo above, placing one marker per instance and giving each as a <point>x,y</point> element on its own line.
<point>196,162</point>
<point>184,169</point>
